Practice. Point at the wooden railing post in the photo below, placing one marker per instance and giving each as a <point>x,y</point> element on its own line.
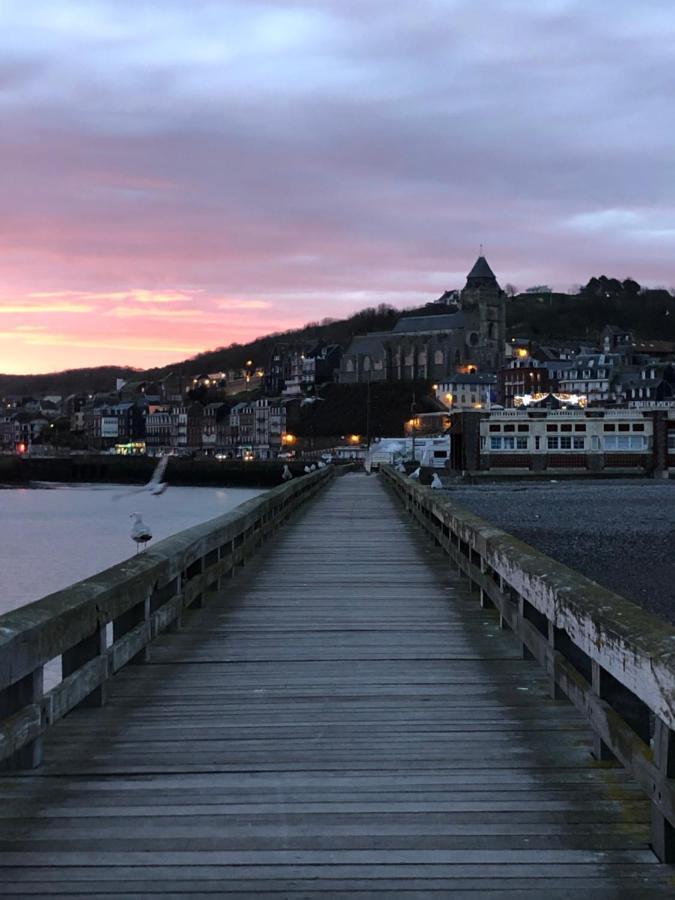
<point>177,623</point>
<point>130,619</point>
<point>92,646</point>
<point>23,693</point>
<point>663,832</point>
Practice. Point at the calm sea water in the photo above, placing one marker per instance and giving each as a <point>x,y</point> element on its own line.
<point>59,534</point>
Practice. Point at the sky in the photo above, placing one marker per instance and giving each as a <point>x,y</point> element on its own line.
<point>181,174</point>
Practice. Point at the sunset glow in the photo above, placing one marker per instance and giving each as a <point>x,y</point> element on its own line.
<point>179,176</point>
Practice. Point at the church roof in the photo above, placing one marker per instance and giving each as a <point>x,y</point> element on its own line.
<point>422,324</point>
<point>481,269</point>
<point>366,344</point>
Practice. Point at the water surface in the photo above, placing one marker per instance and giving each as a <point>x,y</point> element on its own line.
<point>55,536</point>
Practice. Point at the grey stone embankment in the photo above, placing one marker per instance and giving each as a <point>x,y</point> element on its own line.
<point>619,533</point>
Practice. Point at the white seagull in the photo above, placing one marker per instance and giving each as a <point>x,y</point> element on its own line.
<point>416,474</point>
<point>286,475</point>
<point>156,486</point>
<point>307,470</point>
<point>140,533</point>
<point>436,483</point>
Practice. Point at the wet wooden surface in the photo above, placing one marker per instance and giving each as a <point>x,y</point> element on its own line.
<point>345,721</point>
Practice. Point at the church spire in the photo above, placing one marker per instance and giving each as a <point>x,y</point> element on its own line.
<point>481,275</point>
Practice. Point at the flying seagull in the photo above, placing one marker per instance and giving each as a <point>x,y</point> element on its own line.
<point>156,486</point>
<point>140,533</point>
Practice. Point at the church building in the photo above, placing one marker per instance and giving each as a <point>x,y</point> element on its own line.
<point>432,347</point>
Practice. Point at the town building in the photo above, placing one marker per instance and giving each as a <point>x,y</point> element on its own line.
<point>467,390</point>
<point>559,440</point>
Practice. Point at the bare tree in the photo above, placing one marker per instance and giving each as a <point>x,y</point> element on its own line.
<point>511,290</point>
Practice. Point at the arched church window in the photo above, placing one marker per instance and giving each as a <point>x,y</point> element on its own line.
<point>349,366</point>
<point>366,364</point>
<point>473,338</point>
<point>438,357</point>
<point>422,358</point>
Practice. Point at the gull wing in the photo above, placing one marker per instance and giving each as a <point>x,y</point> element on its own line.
<point>160,469</point>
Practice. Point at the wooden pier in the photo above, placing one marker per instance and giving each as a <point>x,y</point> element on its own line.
<point>342,719</point>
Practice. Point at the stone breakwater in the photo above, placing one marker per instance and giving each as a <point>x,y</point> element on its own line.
<point>619,533</point>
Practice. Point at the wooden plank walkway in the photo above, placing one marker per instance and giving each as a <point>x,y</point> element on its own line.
<point>347,721</point>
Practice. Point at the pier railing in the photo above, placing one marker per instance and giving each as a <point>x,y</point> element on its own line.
<point>135,600</point>
<point>612,660</point>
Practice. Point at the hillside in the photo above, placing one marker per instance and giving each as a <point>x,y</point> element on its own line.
<point>70,381</point>
<point>648,313</point>
<point>332,331</point>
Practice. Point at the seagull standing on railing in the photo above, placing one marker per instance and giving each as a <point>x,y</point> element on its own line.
<point>416,474</point>
<point>286,475</point>
<point>156,486</point>
<point>140,533</point>
<point>436,482</point>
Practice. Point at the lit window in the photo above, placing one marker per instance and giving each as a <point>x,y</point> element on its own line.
<point>495,443</point>
<point>509,443</point>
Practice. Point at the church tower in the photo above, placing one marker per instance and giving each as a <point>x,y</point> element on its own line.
<point>482,302</point>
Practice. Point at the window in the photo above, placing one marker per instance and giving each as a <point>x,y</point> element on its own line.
<point>552,443</point>
<point>565,443</point>
<point>551,427</point>
<point>580,426</point>
<point>607,427</point>
<point>638,426</point>
<point>438,357</point>
<point>521,443</point>
<point>509,443</point>
<point>537,442</point>
<point>671,441</point>
<point>566,427</point>
<point>624,442</point>
<point>495,427</point>
<point>523,427</point>
<point>579,443</point>
<point>495,443</point>
<point>509,428</point>
<point>624,426</point>
<point>595,442</point>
